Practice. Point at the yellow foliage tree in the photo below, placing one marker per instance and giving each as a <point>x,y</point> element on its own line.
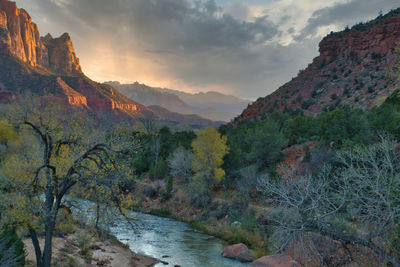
<point>58,153</point>
<point>209,149</point>
<point>7,132</point>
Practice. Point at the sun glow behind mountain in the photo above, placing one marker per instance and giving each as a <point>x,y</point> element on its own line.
<point>244,48</point>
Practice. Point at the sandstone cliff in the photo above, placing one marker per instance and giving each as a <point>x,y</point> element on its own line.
<point>19,36</point>
<point>356,67</point>
<point>49,68</point>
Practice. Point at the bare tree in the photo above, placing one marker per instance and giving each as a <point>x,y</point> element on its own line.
<point>180,163</point>
<point>364,187</point>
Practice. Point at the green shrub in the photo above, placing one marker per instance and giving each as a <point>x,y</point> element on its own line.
<point>166,194</point>
<point>12,252</point>
<point>149,191</point>
<point>84,243</point>
<point>159,171</point>
<point>234,235</point>
<point>307,103</point>
<point>161,213</point>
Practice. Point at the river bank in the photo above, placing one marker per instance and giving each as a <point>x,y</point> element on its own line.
<point>172,241</point>
<point>83,249</point>
<point>230,221</point>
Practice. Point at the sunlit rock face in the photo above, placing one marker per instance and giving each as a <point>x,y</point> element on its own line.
<point>19,36</point>
<point>124,107</point>
<point>20,39</point>
<point>61,55</point>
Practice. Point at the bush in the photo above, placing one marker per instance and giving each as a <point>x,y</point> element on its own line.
<point>12,252</point>
<point>168,188</point>
<point>160,171</point>
<point>233,235</point>
<point>150,191</point>
<point>84,243</point>
<point>161,213</point>
<point>200,199</point>
<point>307,103</point>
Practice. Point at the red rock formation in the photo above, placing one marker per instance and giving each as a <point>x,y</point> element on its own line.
<point>61,54</point>
<point>124,107</point>
<point>19,36</point>
<point>77,100</point>
<point>6,97</point>
<point>353,68</point>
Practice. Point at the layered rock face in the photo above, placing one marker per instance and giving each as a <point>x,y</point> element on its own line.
<point>19,36</point>
<point>377,38</point>
<point>20,39</point>
<point>355,68</point>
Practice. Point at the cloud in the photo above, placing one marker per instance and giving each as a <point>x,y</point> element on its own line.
<point>247,48</point>
<point>345,14</point>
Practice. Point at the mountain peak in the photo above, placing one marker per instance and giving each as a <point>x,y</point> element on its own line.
<point>19,37</point>
<point>26,59</point>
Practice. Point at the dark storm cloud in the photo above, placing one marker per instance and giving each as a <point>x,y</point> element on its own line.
<point>346,14</point>
<point>195,43</point>
<point>173,23</point>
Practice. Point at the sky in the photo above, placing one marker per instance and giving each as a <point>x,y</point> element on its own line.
<point>244,48</point>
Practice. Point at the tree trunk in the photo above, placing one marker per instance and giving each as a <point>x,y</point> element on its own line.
<point>97,215</point>
<point>36,245</point>
<point>47,251</point>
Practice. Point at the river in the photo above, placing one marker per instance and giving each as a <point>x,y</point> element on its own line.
<point>169,240</point>
<point>159,237</point>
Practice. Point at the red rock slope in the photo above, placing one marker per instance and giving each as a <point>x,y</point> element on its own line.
<point>47,65</point>
<point>355,67</point>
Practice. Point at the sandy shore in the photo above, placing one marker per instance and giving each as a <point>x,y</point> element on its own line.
<point>66,252</point>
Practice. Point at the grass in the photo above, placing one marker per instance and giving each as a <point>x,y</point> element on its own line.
<point>161,213</point>
<point>84,243</point>
<point>255,240</point>
<point>234,235</point>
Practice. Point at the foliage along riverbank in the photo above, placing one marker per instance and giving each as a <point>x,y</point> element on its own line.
<point>242,229</point>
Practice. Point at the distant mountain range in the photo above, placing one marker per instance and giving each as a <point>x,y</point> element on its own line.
<point>49,66</point>
<point>357,67</point>
<point>211,105</point>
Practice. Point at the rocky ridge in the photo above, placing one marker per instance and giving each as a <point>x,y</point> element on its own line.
<point>356,67</point>
<point>212,106</point>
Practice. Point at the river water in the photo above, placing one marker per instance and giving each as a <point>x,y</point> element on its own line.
<point>165,239</point>
<point>172,241</point>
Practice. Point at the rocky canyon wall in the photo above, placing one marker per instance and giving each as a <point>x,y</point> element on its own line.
<point>20,37</point>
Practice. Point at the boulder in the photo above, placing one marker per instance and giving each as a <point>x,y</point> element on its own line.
<point>238,252</point>
<point>275,261</point>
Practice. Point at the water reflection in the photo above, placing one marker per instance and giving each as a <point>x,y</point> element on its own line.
<point>166,239</point>
<point>160,237</point>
